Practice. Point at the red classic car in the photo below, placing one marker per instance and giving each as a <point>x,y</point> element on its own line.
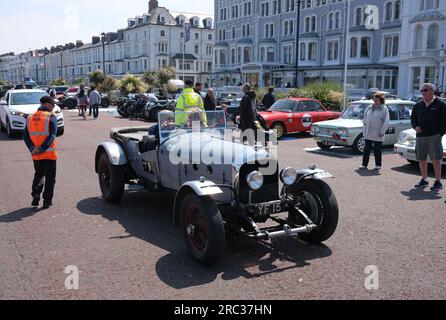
<point>294,115</point>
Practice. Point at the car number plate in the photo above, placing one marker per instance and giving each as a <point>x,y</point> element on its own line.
<point>269,208</point>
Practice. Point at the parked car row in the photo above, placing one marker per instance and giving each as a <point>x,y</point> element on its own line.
<point>67,97</point>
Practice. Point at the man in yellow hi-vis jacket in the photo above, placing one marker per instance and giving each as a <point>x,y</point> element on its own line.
<point>189,101</point>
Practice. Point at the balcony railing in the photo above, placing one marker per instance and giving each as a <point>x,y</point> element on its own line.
<point>430,53</point>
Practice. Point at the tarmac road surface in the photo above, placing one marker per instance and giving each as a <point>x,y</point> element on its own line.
<point>132,251</point>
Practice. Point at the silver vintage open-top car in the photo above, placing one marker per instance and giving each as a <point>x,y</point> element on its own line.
<point>219,185</point>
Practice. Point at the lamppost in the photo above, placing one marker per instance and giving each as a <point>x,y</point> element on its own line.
<point>298,3</point>
<point>347,35</point>
<point>103,52</point>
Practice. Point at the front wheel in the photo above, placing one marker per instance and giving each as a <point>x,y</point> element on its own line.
<point>280,129</point>
<point>202,229</point>
<point>359,144</point>
<point>318,201</point>
<point>111,180</point>
<point>9,130</point>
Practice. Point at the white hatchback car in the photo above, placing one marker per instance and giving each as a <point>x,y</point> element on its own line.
<point>407,143</point>
<point>348,130</point>
<point>18,105</point>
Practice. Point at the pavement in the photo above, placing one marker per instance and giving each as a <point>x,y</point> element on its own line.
<point>132,251</point>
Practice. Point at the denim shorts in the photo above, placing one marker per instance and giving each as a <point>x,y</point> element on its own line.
<point>431,147</point>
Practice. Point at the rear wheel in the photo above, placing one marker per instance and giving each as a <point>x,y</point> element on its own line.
<point>111,180</point>
<point>318,201</point>
<point>323,146</point>
<point>359,144</point>
<point>280,129</point>
<point>202,229</point>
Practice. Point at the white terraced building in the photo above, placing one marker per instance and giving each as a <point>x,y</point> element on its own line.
<point>256,42</point>
<point>147,43</point>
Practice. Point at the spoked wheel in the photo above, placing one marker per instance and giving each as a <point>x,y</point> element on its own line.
<point>111,180</point>
<point>319,203</point>
<point>359,144</point>
<point>202,229</point>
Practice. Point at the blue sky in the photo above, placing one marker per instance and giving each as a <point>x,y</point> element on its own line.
<point>42,23</point>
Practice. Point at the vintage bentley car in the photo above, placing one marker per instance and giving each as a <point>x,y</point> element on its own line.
<point>220,186</point>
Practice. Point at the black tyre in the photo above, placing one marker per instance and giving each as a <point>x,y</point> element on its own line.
<point>359,144</point>
<point>105,103</point>
<point>122,111</point>
<point>70,103</point>
<point>2,128</point>
<point>60,132</point>
<point>202,229</point>
<point>111,180</point>
<point>9,131</point>
<point>280,129</point>
<point>323,146</point>
<point>319,202</point>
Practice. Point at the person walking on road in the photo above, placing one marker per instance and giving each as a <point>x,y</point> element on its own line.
<point>248,115</point>
<point>95,101</point>
<point>40,138</point>
<point>269,99</point>
<point>82,101</point>
<point>376,124</point>
<point>429,121</point>
<point>210,103</point>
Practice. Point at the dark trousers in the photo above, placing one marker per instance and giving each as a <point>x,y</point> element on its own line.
<point>45,174</point>
<point>377,149</point>
<point>95,109</point>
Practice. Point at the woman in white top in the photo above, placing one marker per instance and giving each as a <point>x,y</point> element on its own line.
<point>376,123</point>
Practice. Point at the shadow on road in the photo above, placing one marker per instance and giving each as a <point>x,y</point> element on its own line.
<point>368,173</point>
<point>421,195</point>
<point>18,215</point>
<point>413,169</point>
<point>149,217</point>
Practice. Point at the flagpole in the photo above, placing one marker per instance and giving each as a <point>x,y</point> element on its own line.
<point>184,49</point>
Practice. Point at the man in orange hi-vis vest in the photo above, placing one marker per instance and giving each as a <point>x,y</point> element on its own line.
<point>40,138</point>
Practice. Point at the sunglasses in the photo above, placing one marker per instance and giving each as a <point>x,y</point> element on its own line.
<point>425,90</point>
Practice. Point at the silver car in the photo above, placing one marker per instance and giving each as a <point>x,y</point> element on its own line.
<point>218,185</point>
<point>348,129</point>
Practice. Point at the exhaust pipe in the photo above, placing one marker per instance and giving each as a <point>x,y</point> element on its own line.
<point>287,232</point>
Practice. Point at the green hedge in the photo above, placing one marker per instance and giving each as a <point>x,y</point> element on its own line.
<point>328,93</point>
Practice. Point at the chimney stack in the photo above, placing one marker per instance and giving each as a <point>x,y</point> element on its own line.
<point>153,4</point>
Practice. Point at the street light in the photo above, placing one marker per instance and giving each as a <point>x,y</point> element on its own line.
<point>296,81</point>
<point>103,52</point>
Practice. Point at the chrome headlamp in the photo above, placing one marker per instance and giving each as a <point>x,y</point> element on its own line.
<point>255,180</point>
<point>288,176</point>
